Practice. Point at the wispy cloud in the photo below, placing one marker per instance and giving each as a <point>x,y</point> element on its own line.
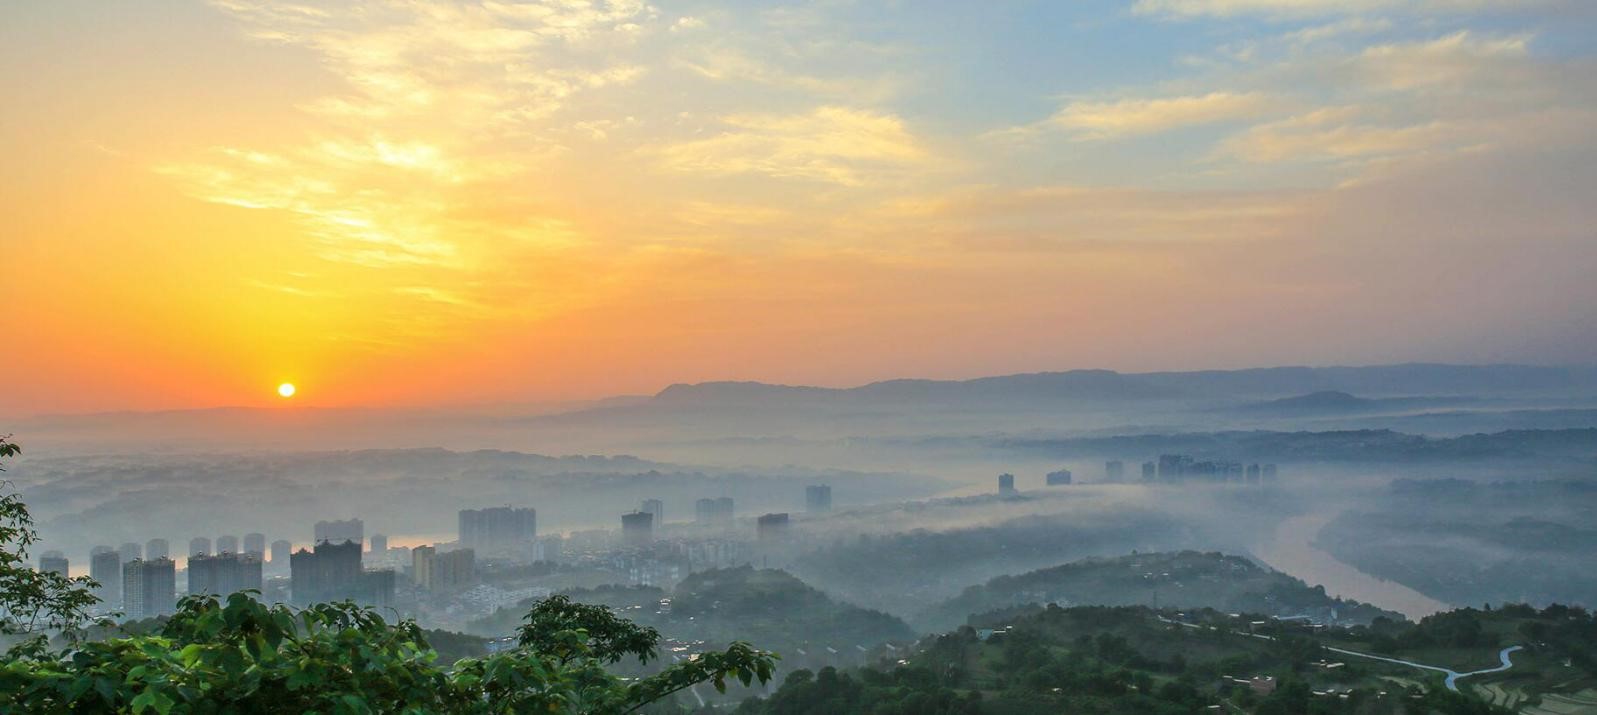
<point>1088,120</point>
<point>1339,28</point>
<point>833,144</point>
<point>1461,59</point>
<point>441,105</point>
<point>1309,8</point>
<point>1336,134</point>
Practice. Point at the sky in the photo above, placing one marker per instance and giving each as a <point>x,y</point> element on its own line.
<point>425,202</point>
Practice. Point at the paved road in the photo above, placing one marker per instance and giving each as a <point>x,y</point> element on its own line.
<point>1501,655</point>
<point>1452,675</point>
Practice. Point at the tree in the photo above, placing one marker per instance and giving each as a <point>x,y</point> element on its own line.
<point>247,657</point>
<point>32,602</point>
<point>609,638</point>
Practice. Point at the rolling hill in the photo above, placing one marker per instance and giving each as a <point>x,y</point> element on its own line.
<point>1184,579</point>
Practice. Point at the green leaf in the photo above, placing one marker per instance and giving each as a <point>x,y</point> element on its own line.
<point>144,700</point>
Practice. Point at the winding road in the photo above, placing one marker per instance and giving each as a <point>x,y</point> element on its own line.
<point>1452,675</point>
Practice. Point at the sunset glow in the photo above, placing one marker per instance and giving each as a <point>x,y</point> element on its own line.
<point>422,202</point>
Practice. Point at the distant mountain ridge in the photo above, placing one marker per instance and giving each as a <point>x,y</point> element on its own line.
<point>1319,401</point>
<point>1376,445</point>
<point>1075,384</point>
<point>1329,402</point>
<point>1315,384</point>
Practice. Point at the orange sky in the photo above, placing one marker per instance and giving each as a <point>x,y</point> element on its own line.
<point>437,202</point>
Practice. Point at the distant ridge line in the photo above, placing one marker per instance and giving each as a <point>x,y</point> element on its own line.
<point>1405,379</point>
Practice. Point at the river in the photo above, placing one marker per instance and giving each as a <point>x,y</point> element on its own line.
<point>1292,550</point>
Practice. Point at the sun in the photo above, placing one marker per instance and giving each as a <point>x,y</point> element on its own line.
<point>286,389</point>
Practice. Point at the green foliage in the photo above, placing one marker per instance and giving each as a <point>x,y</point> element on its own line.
<point>1471,542</point>
<point>767,606</point>
<point>1557,633</point>
<point>901,691</point>
<point>508,619</point>
<point>775,607</point>
<point>1026,669</point>
<point>1453,629</point>
<point>245,656</point>
<point>605,636</point>
<point>1177,579</point>
<point>1109,661</point>
<point>452,646</point>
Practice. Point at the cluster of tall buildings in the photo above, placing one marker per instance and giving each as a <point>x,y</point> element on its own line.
<point>141,580</point>
<point>1179,468</point>
<point>637,528</point>
<point>1006,485</point>
<point>224,574</point>
<point>1170,468</point>
<point>149,588</point>
<point>655,507</point>
<point>442,571</point>
<point>331,571</point>
<point>254,544</point>
<point>771,527</point>
<point>817,498</point>
<point>54,561</point>
<point>716,511</point>
<point>339,531</point>
<point>701,554</point>
<point>281,550</point>
<point>497,528</point>
<point>548,548</point>
<point>105,567</point>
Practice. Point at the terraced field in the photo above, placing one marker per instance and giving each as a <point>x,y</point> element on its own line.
<point>1498,695</point>
<point>1581,703</point>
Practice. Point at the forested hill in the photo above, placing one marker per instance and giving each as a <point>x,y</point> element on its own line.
<point>1185,579</point>
<point>766,606</point>
<point>1141,661</point>
<point>772,606</point>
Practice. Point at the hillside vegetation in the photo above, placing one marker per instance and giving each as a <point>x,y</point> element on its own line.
<point>771,606</point>
<point>1124,660</point>
<point>1185,579</point>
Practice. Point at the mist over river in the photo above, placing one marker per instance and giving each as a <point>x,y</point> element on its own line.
<point>1292,551</point>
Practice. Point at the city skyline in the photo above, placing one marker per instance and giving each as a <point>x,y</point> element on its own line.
<point>443,203</point>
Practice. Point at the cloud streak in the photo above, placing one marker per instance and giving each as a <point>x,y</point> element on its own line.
<point>1312,8</point>
<point>1112,119</point>
<point>833,144</point>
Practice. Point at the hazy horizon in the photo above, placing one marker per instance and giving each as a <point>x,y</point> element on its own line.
<point>528,407</point>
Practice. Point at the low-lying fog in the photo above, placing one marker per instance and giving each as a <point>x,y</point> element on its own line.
<point>908,457</point>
